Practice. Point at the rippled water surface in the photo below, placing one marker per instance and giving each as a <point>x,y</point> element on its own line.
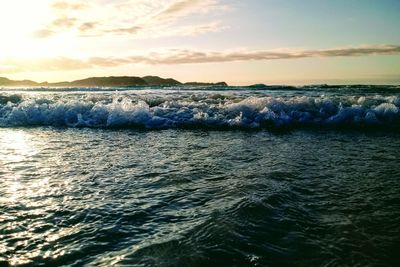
<point>197,197</point>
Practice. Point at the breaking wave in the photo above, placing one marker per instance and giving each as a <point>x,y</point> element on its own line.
<point>203,110</point>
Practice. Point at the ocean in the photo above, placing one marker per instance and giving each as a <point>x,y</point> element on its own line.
<point>200,176</point>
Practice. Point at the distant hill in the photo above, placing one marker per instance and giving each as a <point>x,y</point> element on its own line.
<point>206,84</point>
<point>8,82</point>
<point>104,82</point>
<point>155,80</point>
<point>112,81</point>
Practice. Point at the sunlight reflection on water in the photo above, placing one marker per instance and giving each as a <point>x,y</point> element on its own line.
<point>16,149</point>
<point>176,197</point>
<point>16,146</point>
<point>24,187</point>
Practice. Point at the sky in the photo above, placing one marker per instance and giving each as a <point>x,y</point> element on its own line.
<point>240,42</point>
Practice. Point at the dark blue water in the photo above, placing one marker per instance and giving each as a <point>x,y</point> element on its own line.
<point>271,196</point>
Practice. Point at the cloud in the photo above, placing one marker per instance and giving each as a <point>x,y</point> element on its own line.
<point>43,33</point>
<point>87,26</point>
<point>190,30</point>
<point>64,5</point>
<point>183,7</point>
<point>139,18</point>
<point>159,24</point>
<point>65,18</point>
<point>360,51</point>
<point>193,56</point>
<point>64,22</point>
<point>178,7</point>
<point>128,30</point>
<point>187,56</point>
<point>200,29</point>
<point>61,23</point>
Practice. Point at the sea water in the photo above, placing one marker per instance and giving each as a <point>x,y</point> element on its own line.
<point>213,176</point>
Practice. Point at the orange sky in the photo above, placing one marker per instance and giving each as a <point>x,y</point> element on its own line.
<point>208,40</point>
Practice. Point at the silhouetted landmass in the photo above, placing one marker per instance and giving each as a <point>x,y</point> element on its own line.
<point>262,86</point>
<point>112,81</point>
<point>131,81</point>
<point>155,80</point>
<point>206,84</point>
<point>104,82</point>
<point>8,82</point>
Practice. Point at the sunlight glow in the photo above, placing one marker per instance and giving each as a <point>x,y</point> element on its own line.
<point>20,18</point>
<point>208,41</point>
<point>18,22</point>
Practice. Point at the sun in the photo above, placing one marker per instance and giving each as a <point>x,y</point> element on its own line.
<point>19,20</point>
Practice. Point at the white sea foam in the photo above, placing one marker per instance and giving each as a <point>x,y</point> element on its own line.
<point>199,110</point>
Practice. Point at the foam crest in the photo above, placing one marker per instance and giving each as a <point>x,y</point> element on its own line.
<point>202,110</point>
